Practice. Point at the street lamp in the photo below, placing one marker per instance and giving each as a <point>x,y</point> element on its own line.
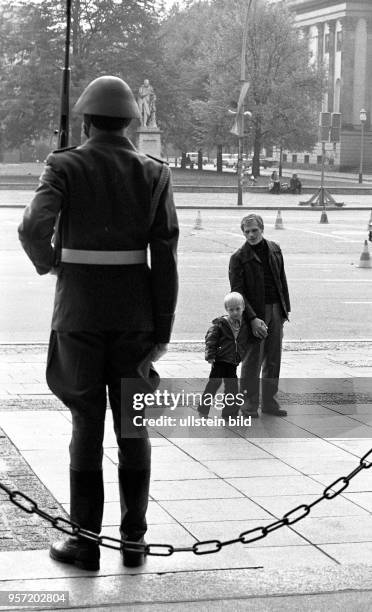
<point>238,128</point>
<point>63,131</point>
<point>240,132</point>
<point>363,119</point>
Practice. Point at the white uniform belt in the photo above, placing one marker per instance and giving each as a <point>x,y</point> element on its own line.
<point>110,258</point>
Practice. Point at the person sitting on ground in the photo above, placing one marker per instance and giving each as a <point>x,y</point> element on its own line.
<point>276,182</point>
<point>295,185</point>
<point>226,343</point>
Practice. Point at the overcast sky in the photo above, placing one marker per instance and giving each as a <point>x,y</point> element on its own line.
<point>170,3</point>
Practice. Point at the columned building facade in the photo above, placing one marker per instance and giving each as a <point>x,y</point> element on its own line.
<point>339,35</point>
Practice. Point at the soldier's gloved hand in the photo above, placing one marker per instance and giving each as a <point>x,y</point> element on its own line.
<point>158,351</point>
<point>259,328</point>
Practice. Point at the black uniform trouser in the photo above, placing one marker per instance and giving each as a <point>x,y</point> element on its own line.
<point>226,372</point>
<point>80,366</point>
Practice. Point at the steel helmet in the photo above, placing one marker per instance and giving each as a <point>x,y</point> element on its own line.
<point>108,96</point>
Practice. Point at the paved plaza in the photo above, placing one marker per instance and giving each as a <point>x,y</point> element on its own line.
<point>213,487</point>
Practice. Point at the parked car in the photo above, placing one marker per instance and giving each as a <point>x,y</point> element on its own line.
<point>229,160</point>
<point>193,157</point>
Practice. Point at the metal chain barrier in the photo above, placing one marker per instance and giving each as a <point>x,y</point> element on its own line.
<point>199,548</point>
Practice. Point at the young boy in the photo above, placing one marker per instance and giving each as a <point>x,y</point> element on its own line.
<point>225,346</point>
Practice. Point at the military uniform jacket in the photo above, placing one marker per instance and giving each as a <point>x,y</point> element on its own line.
<point>106,196</point>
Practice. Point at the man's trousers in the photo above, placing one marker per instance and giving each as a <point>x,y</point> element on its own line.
<point>80,367</point>
<point>266,355</point>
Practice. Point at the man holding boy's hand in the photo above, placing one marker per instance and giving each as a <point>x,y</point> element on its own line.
<point>257,272</point>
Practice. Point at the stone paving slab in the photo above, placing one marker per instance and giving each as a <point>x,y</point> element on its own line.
<point>336,584</point>
<point>231,468</point>
<point>324,602</point>
<point>362,482</point>
<point>223,529</point>
<point>18,530</point>
<point>336,530</point>
<point>278,505</point>
<point>284,485</point>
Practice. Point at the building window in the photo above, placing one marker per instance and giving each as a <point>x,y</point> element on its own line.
<point>339,40</point>
<point>294,159</point>
<point>326,43</point>
<point>284,157</point>
<point>319,159</point>
<point>306,159</point>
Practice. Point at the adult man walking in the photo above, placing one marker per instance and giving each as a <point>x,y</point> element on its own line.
<point>111,310</point>
<point>257,272</point>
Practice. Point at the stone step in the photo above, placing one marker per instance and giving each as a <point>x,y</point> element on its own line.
<point>348,586</point>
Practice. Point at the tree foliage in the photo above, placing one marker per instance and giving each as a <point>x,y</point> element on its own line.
<point>182,36</point>
<point>284,89</point>
<point>107,37</point>
<point>191,56</point>
<point>29,72</point>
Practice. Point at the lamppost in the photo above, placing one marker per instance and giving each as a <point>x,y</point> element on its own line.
<point>363,119</point>
<point>329,131</point>
<point>238,128</point>
<point>281,161</point>
<point>240,133</point>
<point>65,89</point>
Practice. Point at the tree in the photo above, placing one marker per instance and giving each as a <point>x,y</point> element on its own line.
<point>182,36</point>
<point>28,73</point>
<point>108,37</point>
<point>283,89</point>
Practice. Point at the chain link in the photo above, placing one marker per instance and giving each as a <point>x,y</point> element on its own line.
<point>199,548</point>
<point>305,511</point>
<point>248,536</point>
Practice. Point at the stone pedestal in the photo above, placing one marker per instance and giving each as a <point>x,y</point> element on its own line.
<point>149,140</point>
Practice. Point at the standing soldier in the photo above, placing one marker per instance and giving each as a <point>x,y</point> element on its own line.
<point>112,313</point>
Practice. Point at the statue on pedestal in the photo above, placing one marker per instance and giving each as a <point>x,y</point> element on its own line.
<point>147,104</point>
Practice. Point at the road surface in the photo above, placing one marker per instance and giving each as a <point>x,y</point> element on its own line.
<point>331,296</point>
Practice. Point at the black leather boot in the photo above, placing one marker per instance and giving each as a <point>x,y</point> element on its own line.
<point>133,557</point>
<point>76,551</point>
<point>86,509</point>
<point>134,494</point>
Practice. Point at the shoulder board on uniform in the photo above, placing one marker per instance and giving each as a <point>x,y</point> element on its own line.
<point>158,159</point>
<point>65,149</point>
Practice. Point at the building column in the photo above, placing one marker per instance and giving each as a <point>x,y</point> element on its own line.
<point>347,69</point>
<point>331,65</point>
<point>320,27</point>
<point>360,69</point>
<point>368,105</point>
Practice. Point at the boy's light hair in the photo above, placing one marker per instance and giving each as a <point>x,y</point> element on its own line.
<point>233,298</point>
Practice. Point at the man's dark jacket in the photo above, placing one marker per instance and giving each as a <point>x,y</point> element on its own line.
<point>111,198</point>
<point>246,276</point>
<point>221,344</point>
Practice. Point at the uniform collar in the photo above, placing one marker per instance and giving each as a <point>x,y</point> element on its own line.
<point>111,139</point>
